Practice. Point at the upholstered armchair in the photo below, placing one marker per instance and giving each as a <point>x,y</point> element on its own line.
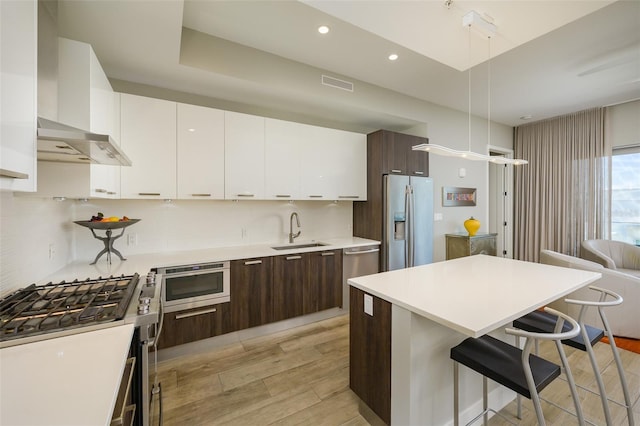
<point>617,255</point>
<point>624,319</point>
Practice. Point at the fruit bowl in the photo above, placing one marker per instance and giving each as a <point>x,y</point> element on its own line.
<point>108,239</point>
<point>106,225</point>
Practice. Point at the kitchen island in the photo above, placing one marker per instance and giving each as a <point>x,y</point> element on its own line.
<point>399,350</point>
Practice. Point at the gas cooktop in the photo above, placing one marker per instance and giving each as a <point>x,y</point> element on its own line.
<point>38,310</point>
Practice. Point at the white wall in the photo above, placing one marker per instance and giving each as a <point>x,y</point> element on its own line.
<point>623,124</point>
<point>28,227</point>
<point>186,225</point>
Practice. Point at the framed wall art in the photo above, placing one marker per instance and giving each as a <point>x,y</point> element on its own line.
<point>453,196</point>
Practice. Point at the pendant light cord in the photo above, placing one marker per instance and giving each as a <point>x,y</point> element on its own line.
<point>469,78</point>
<point>489,93</point>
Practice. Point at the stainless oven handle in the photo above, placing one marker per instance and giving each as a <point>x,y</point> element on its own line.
<point>159,329</point>
<point>193,314</point>
<point>160,403</point>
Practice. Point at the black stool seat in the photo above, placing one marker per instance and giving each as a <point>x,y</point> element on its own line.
<point>542,322</point>
<point>502,363</point>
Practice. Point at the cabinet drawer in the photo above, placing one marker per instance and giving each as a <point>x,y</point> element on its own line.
<point>191,325</point>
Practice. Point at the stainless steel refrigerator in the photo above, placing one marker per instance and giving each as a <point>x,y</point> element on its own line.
<point>408,222</point>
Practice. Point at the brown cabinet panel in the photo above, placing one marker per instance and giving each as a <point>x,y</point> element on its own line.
<point>251,292</point>
<point>370,353</point>
<point>395,156</point>
<point>289,280</point>
<point>387,153</point>
<point>417,161</point>
<point>191,325</point>
<point>324,288</point>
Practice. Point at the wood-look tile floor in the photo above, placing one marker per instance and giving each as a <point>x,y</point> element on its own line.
<point>301,377</point>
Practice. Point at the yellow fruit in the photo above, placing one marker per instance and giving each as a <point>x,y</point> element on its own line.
<point>113,219</point>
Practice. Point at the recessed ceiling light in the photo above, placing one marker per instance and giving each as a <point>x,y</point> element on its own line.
<point>323,29</point>
<point>191,130</point>
<point>526,117</point>
<point>393,57</point>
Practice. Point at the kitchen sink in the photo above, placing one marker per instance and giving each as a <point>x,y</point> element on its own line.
<point>298,246</point>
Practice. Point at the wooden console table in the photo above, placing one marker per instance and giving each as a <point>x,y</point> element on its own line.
<point>461,245</point>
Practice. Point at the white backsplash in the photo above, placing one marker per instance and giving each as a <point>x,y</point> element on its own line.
<point>186,225</point>
<point>30,228</point>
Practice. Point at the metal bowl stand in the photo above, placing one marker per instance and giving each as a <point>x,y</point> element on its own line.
<point>108,245</point>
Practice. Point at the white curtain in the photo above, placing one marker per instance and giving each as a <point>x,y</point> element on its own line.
<point>562,196</point>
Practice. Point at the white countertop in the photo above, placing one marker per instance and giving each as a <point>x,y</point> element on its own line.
<point>477,294</point>
<point>142,263</point>
<point>71,380</point>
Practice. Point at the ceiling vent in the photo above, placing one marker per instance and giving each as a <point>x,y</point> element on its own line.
<point>337,83</point>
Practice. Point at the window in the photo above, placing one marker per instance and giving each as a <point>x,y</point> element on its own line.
<point>625,195</point>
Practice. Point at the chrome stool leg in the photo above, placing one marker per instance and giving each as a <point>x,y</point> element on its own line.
<point>601,304</point>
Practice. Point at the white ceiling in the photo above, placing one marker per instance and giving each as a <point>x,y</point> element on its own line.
<point>548,57</point>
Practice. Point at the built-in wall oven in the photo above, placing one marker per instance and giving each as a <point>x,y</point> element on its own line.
<point>194,286</point>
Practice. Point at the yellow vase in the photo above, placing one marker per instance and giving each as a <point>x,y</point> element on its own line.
<point>472,225</point>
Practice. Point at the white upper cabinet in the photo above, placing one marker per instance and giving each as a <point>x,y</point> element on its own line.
<point>244,156</point>
<point>350,165</point>
<point>283,148</point>
<point>200,159</point>
<point>334,165</point>
<point>148,136</point>
<point>18,99</point>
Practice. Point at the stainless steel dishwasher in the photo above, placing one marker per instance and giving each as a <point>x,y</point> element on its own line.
<point>356,262</point>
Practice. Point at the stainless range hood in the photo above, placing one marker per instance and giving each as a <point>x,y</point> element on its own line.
<point>59,142</point>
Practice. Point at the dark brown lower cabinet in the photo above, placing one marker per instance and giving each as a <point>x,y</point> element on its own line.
<point>370,353</point>
<point>190,325</point>
<point>263,290</point>
<point>323,289</point>
<point>251,292</point>
<point>289,278</point>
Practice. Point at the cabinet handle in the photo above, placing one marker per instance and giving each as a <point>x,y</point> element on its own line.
<point>348,196</point>
<point>315,196</point>
<point>149,193</point>
<point>351,253</point>
<point>101,191</point>
<point>293,257</point>
<point>418,173</point>
<point>246,195</point>
<point>196,313</point>
<point>201,195</point>
<point>13,174</point>
<point>111,192</point>
<point>283,196</point>
<point>396,171</point>
<point>253,262</point>
<point>327,253</point>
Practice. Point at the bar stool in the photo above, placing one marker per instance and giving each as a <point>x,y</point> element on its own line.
<point>517,369</point>
<point>540,322</point>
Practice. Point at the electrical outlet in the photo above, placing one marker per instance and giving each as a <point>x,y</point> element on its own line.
<point>52,251</point>
<point>368,304</point>
<point>437,217</point>
<point>132,239</point>
<point>243,232</point>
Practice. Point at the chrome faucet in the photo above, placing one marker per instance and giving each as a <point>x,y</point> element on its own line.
<point>293,236</point>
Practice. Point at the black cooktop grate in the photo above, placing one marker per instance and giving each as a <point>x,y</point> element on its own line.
<point>53,307</point>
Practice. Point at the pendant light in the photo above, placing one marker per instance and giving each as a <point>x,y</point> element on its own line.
<point>488,29</point>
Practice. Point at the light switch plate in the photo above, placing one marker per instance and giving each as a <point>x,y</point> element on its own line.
<point>368,304</point>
